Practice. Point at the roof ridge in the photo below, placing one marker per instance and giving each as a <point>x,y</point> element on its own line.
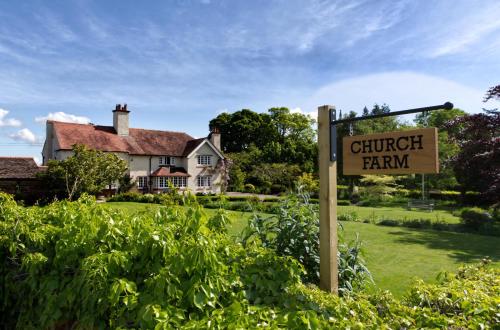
<point>158,130</point>
<point>133,128</point>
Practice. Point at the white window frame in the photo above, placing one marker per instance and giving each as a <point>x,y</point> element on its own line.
<point>204,181</point>
<point>142,181</point>
<point>162,182</point>
<point>204,160</point>
<point>167,160</point>
<point>178,181</point>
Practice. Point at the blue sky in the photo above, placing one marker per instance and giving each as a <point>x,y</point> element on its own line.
<point>180,63</point>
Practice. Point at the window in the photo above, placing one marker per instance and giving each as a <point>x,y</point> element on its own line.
<point>162,182</point>
<point>204,160</point>
<point>204,181</point>
<point>167,160</point>
<point>142,181</point>
<point>178,181</point>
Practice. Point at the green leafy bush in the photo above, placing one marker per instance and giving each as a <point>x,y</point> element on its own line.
<point>475,217</point>
<point>349,216</point>
<point>81,266</point>
<point>294,232</point>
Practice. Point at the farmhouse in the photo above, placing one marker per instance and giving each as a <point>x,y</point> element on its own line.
<point>18,176</point>
<point>154,157</point>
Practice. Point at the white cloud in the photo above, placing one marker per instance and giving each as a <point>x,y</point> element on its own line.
<point>8,122</point>
<point>400,90</point>
<point>312,114</point>
<point>24,135</point>
<point>64,117</point>
<point>467,32</point>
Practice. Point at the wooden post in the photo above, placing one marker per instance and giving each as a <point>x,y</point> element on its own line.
<point>328,267</point>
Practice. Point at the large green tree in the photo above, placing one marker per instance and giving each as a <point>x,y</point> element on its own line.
<point>448,148</point>
<point>86,171</point>
<point>256,140</point>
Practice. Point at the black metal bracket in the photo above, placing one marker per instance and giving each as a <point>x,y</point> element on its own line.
<point>334,122</point>
<point>333,136</point>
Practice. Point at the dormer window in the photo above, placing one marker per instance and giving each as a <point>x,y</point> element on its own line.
<point>204,160</point>
<point>167,160</point>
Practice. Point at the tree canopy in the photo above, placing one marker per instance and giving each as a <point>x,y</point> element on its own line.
<point>86,171</point>
<point>477,164</point>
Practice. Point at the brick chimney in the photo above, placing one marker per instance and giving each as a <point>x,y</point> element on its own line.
<point>214,137</point>
<point>120,119</point>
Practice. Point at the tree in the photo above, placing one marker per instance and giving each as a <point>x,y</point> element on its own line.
<point>242,128</point>
<point>477,164</point>
<point>492,93</point>
<point>257,140</point>
<point>87,171</point>
<point>447,147</point>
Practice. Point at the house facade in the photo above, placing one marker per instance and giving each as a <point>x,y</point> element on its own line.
<point>154,158</point>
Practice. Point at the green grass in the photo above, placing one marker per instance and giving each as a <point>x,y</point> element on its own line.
<point>394,255</point>
<point>398,213</point>
<point>397,255</point>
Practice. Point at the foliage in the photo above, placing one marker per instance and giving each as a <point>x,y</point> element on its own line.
<point>492,93</point>
<point>224,167</point>
<point>86,171</point>
<point>294,232</point>
<point>273,178</point>
<point>477,165</point>
<point>447,148</point>
<point>464,293</point>
<point>378,188</point>
<point>78,265</point>
<point>172,197</point>
<point>274,140</point>
<point>308,182</point>
<point>475,217</point>
<point>125,183</point>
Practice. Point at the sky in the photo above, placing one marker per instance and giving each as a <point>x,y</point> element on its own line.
<point>178,64</point>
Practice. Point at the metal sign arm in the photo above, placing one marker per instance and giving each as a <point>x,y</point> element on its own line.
<point>334,122</point>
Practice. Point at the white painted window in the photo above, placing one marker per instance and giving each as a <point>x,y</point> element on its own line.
<point>142,181</point>
<point>162,182</point>
<point>178,181</point>
<point>204,181</point>
<point>167,160</point>
<point>204,160</point>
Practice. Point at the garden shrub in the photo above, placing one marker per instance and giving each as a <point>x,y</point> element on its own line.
<point>294,232</point>
<point>475,217</point>
<point>348,216</point>
<point>249,188</point>
<point>77,265</point>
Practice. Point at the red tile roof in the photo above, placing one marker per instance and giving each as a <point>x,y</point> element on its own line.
<point>170,171</point>
<point>191,145</point>
<point>19,168</point>
<point>138,142</point>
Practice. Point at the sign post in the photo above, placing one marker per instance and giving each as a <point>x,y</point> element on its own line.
<point>386,153</point>
<point>328,268</point>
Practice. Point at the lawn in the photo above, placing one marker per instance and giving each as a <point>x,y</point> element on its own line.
<point>398,213</point>
<point>395,255</point>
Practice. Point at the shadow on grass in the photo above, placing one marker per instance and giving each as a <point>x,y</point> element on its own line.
<point>461,246</point>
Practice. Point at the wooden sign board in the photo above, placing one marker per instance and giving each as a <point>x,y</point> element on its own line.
<point>402,152</point>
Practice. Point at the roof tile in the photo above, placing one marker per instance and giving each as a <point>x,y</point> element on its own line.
<point>18,168</point>
<point>138,142</point>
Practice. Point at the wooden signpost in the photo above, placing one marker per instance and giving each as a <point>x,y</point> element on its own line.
<point>402,152</point>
